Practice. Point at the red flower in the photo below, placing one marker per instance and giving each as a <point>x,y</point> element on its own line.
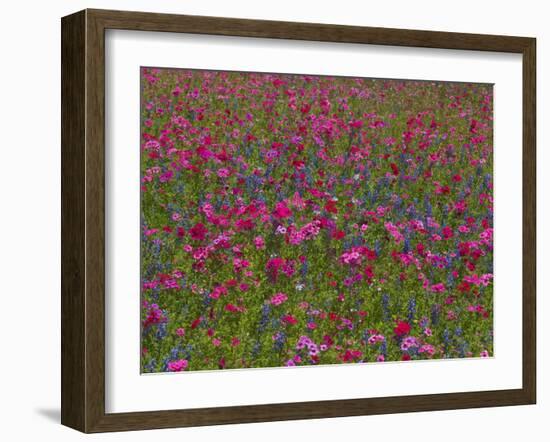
<point>289,319</point>
<point>447,232</point>
<point>231,283</point>
<point>331,207</point>
<point>463,248</point>
<point>273,266</point>
<point>282,211</point>
<point>369,273</point>
<point>351,355</point>
<point>232,308</point>
<point>370,254</point>
<point>244,224</point>
<point>403,328</point>
<point>278,82</point>
<point>327,340</point>
<point>394,169</point>
<point>196,323</point>
<point>198,231</point>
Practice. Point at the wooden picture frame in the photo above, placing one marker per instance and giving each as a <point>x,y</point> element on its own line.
<point>83,220</point>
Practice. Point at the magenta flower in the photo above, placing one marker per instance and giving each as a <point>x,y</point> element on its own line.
<point>178,365</point>
<point>198,232</point>
<point>278,299</point>
<point>438,288</point>
<point>282,211</point>
<point>223,173</point>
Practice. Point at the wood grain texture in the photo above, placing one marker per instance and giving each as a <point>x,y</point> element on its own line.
<point>529,220</point>
<point>95,221</point>
<point>83,220</point>
<point>143,21</point>
<point>73,128</point>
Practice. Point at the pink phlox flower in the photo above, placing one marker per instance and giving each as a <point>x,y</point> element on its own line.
<point>278,299</point>
<point>179,365</point>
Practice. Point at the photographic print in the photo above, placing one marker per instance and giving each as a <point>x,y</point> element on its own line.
<point>299,220</point>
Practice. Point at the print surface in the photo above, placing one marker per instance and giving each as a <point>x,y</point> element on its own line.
<point>293,220</point>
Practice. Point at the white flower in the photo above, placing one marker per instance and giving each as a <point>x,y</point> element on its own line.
<point>281,230</point>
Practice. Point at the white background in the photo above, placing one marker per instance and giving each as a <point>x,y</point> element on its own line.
<point>128,391</point>
<point>30,218</point>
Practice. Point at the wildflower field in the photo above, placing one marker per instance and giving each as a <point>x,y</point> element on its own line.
<point>291,220</point>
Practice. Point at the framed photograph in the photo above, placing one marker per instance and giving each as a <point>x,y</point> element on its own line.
<point>267,220</point>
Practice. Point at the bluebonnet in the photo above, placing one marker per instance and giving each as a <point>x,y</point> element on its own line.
<point>256,349</point>
<point>150,367</point>
<point>304,269</point>
<point>446,341</point>
<point>384,348</point>
<point>444,213</point>
<point>434,314</point>
<point>462,348</point>
<point>411,308</point>
<point>206,299</point>
<point>398,204</point>
<point>450,280</point>
<point>280,340</point>
<point>407,243</point>
<point>187,352</point>
<point>174,352</point>
<point>161,330</point>
<point>427,207</point>
<point>266,309</point>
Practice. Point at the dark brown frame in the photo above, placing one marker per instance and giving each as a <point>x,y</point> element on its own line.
<point>83,216</point>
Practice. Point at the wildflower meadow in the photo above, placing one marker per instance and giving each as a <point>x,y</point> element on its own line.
<point>298,220</point>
